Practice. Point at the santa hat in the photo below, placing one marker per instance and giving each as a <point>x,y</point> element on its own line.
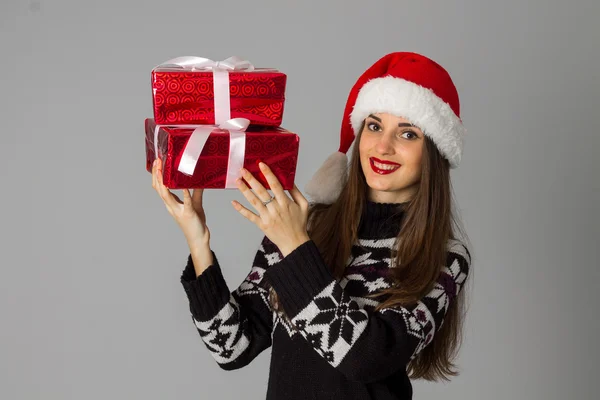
<point>406,85</point>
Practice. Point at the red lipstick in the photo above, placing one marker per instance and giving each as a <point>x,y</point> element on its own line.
<point>384,168</point>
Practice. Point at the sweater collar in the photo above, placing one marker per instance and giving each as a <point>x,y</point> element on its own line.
<point>381,220</point>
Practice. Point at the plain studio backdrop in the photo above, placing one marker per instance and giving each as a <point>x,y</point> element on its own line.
<point>91,306</point>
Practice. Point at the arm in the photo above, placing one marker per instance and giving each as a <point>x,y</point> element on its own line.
<point>235,326</point>
<point>363,346</point>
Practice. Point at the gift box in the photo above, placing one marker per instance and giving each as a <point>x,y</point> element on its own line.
<point>185,95</point>
<point>275,146</point>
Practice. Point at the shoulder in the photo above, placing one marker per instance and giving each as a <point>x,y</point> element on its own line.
<point>456,248</point>
<point>458,261</point>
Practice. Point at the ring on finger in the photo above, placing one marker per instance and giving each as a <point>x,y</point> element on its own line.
<point>268,201</point>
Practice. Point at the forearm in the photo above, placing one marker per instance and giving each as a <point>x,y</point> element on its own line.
<point>201,256</point>
<point>235,326</point>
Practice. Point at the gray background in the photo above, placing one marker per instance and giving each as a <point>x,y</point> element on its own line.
<point>90,301</point>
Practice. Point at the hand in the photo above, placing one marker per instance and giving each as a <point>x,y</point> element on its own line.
<point>189,213</point>
<point>284,219</point>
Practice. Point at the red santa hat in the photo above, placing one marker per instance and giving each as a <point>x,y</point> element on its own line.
<point>404,84</point>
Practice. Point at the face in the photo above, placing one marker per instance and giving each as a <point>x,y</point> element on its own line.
<point>390,156</point>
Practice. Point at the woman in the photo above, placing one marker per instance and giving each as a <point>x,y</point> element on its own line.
<point>360,290</point>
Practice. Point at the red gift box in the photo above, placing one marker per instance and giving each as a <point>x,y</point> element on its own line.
<point>187,97</point>
<point>275,146</point>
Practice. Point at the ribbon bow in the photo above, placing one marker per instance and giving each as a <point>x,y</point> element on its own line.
<point>220,71</point>
<point>193,63</point>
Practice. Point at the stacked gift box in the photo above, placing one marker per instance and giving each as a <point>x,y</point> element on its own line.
<point>213,118</point>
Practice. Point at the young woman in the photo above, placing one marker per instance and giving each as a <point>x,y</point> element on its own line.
<point>362,289</point>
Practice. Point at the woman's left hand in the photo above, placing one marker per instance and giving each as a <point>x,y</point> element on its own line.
<point>283,220</point>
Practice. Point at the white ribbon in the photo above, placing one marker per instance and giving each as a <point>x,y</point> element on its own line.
<point>237,147</point>
<point>193,63</point>
<point>220,71</point>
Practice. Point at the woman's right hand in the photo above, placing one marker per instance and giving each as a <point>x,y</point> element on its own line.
<point>189,213</point>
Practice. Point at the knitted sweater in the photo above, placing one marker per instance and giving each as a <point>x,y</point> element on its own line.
<point>337,346</point>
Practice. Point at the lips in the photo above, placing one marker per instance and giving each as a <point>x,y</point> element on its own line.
<point>383,167</point>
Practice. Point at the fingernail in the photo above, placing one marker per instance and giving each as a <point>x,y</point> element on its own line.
<point>261,164</point>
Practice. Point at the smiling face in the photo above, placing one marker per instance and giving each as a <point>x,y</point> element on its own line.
<point>391,150</point>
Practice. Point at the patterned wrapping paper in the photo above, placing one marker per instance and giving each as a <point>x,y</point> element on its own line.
<point>275,146</point>
<point>187,97</point>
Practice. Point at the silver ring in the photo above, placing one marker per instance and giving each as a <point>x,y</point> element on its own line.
<point>268,201</point>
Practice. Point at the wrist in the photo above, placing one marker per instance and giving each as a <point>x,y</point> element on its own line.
<point>199,241</point>
<point>286,250</point>
<point>202,257</point>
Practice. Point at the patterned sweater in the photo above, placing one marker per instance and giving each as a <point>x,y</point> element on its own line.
<point>337,346</point>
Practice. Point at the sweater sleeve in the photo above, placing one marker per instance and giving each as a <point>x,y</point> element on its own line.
<point>364,346</point>
<point>235,326</point>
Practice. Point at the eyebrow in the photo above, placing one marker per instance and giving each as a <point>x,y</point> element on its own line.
<point>374,117</point>
<point>400,125</point>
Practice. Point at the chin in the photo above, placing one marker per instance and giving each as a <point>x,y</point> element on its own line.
<point>377,184</point>
<point>398,181</point>
<point>394,180</point>
<point>400,187</point>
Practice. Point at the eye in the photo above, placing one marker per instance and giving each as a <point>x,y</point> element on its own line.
<point>412,135</point>
<point>372,126</point>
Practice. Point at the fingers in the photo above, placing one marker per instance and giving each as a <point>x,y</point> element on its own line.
<point>187,199</point>
<point>299,197</point>
<point>155,173</point>
<point>168,198</point>
<point>249,215</point>
<point>154,181</point>
<point>197,196</point>
<point>197,202</point>
<point>251,197</point>
<point>274,184</point>
<point>162,189</point>
<point>259,190</point>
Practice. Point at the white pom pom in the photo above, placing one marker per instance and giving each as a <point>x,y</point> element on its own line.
<point>326,184</point>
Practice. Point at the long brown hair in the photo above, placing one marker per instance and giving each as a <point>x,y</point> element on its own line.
<point>428,223</point>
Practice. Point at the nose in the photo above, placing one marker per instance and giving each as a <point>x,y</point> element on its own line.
<point>385,145</point>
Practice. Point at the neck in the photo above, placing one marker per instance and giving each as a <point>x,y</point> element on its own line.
<point>397,196</point>
<point>381,220</point>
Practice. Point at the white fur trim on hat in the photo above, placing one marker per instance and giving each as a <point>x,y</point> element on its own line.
<point>421,106</point>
